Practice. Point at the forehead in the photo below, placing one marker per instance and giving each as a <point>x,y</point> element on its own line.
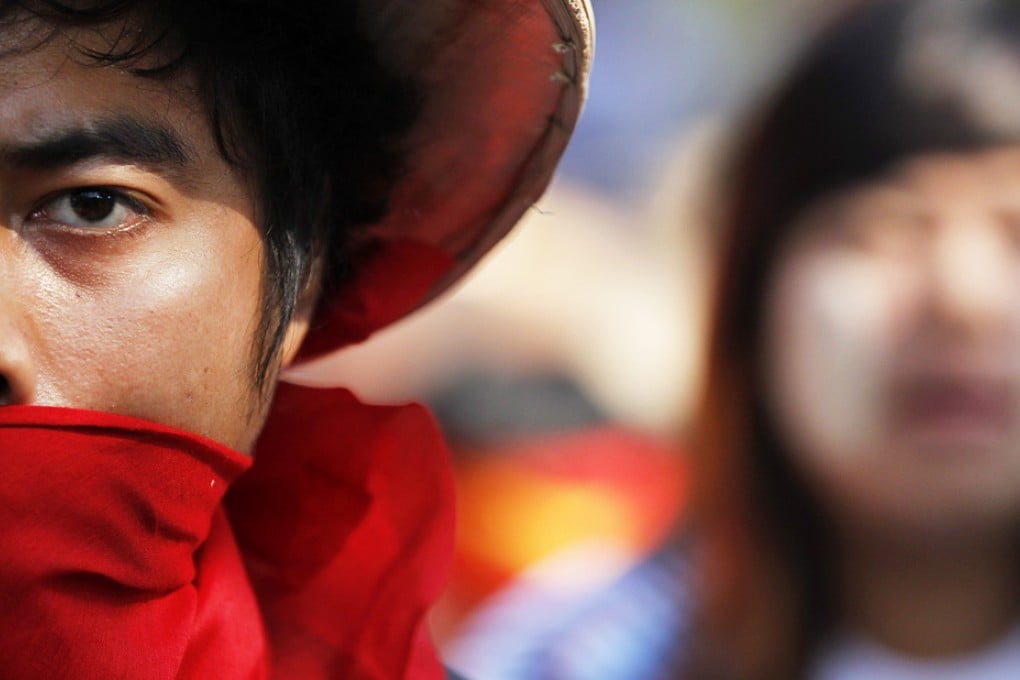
<point>1000,164</point>
<point>48,82</point>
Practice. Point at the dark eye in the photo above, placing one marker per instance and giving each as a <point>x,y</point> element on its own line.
<point>93,205</point>
<point>91,208</point>
<point>1010,221</point>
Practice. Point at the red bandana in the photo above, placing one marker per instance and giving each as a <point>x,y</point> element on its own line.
<point>119,557</point>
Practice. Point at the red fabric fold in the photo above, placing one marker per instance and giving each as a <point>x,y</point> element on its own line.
<point>349,536</point>
<point>391,278</point>
<point>117,559</point>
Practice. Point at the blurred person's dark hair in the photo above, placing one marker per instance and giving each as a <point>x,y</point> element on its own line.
<point>886,81</point>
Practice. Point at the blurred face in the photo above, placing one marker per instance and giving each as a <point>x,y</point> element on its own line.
<point>893,341</point>
<point>131,262</point>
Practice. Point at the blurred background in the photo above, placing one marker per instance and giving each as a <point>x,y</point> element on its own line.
<point>564,370</point>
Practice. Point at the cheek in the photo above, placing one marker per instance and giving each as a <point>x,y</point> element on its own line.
<point>834,325</point>
<point>167,336</point>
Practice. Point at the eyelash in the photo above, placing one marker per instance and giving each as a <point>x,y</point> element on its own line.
<point>43,213</point>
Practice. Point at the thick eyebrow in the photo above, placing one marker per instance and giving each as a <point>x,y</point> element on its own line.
<point>124,140</point>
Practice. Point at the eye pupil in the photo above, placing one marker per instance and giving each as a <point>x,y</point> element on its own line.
<point>93,205</point>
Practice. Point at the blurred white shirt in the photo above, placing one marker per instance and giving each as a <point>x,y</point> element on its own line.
<point>851,657</point>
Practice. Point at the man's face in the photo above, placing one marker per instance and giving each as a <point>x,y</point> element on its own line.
<point>130,258</point>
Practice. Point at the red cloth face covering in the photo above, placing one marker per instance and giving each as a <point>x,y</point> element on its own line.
<point>124,555</point>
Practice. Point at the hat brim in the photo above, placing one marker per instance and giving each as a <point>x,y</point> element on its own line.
<point>503,83</point>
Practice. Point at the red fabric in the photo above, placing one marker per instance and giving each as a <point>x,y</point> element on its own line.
<point>390,280</point>
<point>349,536</point>
<point>118,559</point>
<point>492,123</point>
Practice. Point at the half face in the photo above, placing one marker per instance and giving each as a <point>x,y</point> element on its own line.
<point>131,262</point>
<point>893,346</point>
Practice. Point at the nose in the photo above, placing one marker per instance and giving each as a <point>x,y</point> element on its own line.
<point>970,276</point>
<point>18,376</point>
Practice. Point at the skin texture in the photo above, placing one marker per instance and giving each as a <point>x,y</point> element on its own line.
<point>150,311</point>
<point>892,336</point>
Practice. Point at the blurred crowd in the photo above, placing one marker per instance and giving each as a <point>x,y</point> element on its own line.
<point>741,397</point>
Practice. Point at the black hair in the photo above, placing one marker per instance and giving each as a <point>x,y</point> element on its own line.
<point>300,104</point>
<point>887,81</point>
<point>893,79</point>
